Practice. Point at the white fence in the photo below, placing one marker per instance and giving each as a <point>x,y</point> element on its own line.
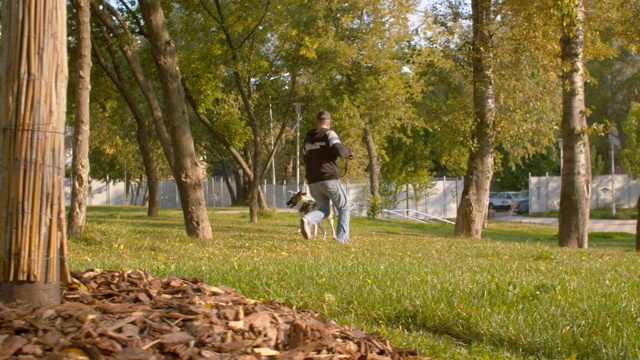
<point>442,200</point>
<point>623,190</point>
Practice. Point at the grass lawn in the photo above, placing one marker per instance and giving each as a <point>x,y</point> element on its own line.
<point>600,213</point>
<point>512,295</point>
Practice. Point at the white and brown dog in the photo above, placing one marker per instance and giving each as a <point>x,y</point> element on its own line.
<point>305,204</point>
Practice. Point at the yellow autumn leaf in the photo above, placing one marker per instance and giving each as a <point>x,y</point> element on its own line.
<point>75,354</point>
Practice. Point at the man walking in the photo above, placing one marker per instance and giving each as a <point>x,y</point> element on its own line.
<point>322,147</point>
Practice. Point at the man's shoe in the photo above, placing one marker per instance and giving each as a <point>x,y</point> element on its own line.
<point>305,230</point>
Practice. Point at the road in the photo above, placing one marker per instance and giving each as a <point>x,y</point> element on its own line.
<point>598,225</point>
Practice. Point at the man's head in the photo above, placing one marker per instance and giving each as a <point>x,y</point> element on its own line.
<point>324,119</point>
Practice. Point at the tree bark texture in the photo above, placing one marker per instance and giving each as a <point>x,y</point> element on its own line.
<point>374,169</point>
<point>187,170</point>
<point>575,193</point>
<point>33,88</point>
<point>472,210</point>
<point>77,216</point>
<point>144,144</point>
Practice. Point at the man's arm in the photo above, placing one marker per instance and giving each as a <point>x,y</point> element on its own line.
<point>336,146</point>
<point>341,150</point>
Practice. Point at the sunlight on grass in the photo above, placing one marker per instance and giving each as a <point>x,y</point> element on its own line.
<point>513,295</point>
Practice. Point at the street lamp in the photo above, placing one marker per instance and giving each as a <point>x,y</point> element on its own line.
<point>613,142</point>
<point>273,159</point>
<point>298,106</point>
<point>561,155</point>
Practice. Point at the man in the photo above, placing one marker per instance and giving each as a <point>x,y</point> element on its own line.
<point>322,147</point>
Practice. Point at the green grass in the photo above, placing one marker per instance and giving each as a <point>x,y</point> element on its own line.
<point>512,295</point>
<point>600,213</point>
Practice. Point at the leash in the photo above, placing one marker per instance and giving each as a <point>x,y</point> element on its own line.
<point>346,167</point>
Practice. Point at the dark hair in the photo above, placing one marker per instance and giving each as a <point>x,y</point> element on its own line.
<point>323,115</point>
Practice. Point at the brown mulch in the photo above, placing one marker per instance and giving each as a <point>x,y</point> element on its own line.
<point>134,315</point>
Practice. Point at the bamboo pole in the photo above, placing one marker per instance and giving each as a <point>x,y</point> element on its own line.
<point>33,110</point>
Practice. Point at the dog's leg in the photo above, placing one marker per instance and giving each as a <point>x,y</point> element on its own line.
<point>324,233</point>
<point>333,229</point>
<point>330,220</point>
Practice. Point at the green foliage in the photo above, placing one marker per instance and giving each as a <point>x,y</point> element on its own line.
<point>410,165</point>
<point>376,205</point>
<point>630,155</point>
<point>516,177</point>
<point>358,74</point>
<point>513,295</point>
<point>389,194</point>
<point>361,61</point>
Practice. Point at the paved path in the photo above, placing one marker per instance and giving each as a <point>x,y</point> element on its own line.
<point>599,225</point>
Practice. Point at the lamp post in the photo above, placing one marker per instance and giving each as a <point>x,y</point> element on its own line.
<point>613,142</point>
<point>298,106</point>
<point>561,155</point>
<point>273,159</point>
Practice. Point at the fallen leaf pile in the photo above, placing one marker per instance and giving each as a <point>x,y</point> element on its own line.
<point>134,315</point>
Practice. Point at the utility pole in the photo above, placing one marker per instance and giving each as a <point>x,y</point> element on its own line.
<point>561,155</point>
<point>298,106</point>
<point>273,159</point>
<point>613,137</point>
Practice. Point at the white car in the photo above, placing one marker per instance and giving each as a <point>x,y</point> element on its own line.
<point>499,201</point>
<point>515,196</point>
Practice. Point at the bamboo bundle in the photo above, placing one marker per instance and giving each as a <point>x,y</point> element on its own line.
<point>32,118</point>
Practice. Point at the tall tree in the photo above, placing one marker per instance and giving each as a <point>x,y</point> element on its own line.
<point>187,169</point>
<point>238,35</point>
<point>115,73</point>
<point>473,203</point>
<point>80,163</point>
<point>123,37</point>
<point>629,156</point>
<point>359,75</point>
<point>575,194</point>
<point>33,83</point>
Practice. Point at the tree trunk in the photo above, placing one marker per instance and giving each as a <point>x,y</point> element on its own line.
<point>80,165</point>
<point>374,172</point>
<point>227,182</point>
<point>473,203</point>
<point>136,197</point>
<point>187,170</point>
<point>575,192</point>
<point>33,104</point>
<point>638,225</point>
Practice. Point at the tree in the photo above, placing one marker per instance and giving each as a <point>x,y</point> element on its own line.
<point>33,104</point>
<point>575,194</point>
<point>115,74</point>
<point>406,161</point>
<point>473,202</point>
<point>80,164</point>
<point>359,74</point>
<point>243,44</point>
<point>187,169</point>
<point>629,156</point>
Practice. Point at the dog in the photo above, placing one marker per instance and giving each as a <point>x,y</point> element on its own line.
<point>305,204</point>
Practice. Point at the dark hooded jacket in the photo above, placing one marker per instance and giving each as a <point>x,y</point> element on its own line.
<point>322,147</point>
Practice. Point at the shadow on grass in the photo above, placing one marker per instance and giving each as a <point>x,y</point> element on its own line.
<point>450,332</point>
<point>503,231</point>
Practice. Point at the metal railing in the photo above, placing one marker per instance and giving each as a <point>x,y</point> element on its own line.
<point>405,214</point>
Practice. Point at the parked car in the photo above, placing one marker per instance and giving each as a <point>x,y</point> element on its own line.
<point>499,201</point>
<point>511,195</point>
<point>522,207</point>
